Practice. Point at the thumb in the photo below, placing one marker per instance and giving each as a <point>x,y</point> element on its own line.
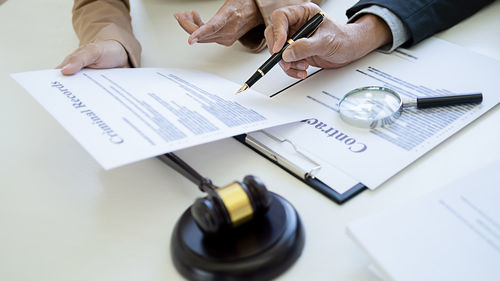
<point>303,49</point>
<point>82,57</point>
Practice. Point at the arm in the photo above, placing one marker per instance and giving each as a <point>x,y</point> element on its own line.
<point>424,18</point>
<point>106,39</point>
<point>98,20</point>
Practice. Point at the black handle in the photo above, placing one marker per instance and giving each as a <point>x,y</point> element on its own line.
<point>449,100</point>
<point>187,171</point>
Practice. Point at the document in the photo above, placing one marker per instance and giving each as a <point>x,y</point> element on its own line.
<point>349,155</point>
<point>125,115</point>
<point>451,234</point>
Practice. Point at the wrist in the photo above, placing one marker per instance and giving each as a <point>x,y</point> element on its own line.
<point>373,33</point>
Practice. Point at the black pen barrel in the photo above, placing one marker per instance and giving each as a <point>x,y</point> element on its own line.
<point>305,31</point>
<point>266,66</point>
<point>254,78</point>
<point>449,100</point>
<point>273,60</point>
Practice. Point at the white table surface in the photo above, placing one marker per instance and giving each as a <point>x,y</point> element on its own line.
<point>62,217</point>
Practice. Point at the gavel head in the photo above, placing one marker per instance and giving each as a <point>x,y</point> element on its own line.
<point>232,205</point>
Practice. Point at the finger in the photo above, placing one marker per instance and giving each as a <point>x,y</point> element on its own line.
<point>213,38</point>
<point>81,58</point>
<point>189,21</point>
<point>279,29</point>
<point>213,26</point>
<point>295,69</point>
<point>287,20</point>
<point>71,68</point>
<point>299,65</point>
<point>295,73</point>
<point>219,40</point>
<point>285,65</point>
<point>63,63</point>
<point>268,34</point>
<point>304,48</point>
<point>197,18</point>
<point>223,36</point>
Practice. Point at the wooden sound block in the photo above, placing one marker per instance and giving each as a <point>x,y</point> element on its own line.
<point>258,250</point>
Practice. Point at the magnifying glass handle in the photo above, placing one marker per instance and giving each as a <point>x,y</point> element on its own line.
<point>449,100</point>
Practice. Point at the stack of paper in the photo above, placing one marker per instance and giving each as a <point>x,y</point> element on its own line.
<point>450,234</point>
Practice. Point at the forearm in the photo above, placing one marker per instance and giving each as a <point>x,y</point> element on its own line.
<point>95,20</point>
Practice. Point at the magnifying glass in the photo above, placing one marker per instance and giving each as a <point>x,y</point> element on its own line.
<point>374,106</point>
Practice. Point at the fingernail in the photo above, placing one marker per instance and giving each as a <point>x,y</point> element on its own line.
<point>284,65</point>
<point>65,70</point>
<point>66,66</point>
<point>302,75</point>
<point>192,41</point>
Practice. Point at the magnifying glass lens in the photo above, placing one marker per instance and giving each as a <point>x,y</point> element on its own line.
<point>370,106</point>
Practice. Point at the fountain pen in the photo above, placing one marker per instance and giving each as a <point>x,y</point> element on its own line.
<point>305,31</point>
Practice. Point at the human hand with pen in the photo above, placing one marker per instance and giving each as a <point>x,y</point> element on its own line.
<point>233,20</point>
<point>333,44</point>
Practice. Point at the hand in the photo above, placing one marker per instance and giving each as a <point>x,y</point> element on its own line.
<point>233,20</point>
<point>331,46</point>
<point>101,54</point>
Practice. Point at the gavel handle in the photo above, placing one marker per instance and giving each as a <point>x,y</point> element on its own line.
<point>172,160</point>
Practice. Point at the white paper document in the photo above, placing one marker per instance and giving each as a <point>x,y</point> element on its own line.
<point>350,155</point>
<point>124,115</point>
<point>451,234</point>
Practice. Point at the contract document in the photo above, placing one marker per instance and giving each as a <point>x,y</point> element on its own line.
<point>124,115</point>
<point>348,155</point>
<point>452,233</point>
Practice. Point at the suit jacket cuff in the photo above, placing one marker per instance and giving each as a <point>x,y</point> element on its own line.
<point>95,20</point>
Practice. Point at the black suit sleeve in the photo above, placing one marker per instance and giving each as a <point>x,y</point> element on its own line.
<point>424,18</point>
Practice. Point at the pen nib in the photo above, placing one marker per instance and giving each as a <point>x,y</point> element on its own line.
<point>242,89</point>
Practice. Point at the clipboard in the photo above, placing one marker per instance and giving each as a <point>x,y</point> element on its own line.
<point>304,174</point>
